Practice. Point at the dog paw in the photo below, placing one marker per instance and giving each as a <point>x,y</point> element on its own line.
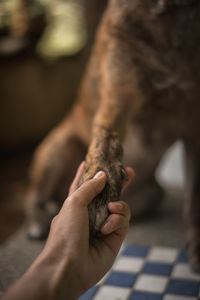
<point>98,211</point>
<point>40,213</point>
<point>104,155</point>
<point>193,248</point>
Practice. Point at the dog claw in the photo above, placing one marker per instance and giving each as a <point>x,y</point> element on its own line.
<point>124,174</point>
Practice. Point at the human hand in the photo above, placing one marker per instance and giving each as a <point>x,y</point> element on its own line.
<point>79,264</point>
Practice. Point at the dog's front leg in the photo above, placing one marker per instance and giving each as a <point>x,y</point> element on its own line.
<point>105,153</point>
<point>105,150</point>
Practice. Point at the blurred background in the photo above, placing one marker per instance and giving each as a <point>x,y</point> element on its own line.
<point>44,48</point>
<point>40,72</point>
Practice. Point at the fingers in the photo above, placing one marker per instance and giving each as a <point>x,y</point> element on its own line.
<point>89,189</point>
<point>130,175</point>
<point>119,219</point>
<point>120,207</point>
<point>114,223</point>
<point>76,181</point>
<point>116,226</point>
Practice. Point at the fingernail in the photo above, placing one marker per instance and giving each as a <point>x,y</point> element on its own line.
<point>99,174</point>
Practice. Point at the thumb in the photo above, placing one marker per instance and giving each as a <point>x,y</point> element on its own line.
<point>90,189</point>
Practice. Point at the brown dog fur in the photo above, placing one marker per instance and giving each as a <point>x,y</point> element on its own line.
<point>141,85</point>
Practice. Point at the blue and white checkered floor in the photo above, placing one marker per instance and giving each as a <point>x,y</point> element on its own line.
<point>148,273</point>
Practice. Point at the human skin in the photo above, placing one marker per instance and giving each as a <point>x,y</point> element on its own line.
<point>69,264</point>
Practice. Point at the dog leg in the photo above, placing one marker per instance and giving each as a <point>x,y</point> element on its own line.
<point>192,206</point>
<point>105,153</point>
<point>105,150</point>
<point>52,171</point>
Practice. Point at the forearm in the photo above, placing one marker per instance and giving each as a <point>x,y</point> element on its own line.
<point>48,279</point>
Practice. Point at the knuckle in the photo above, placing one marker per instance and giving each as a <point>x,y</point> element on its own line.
<point>125,205</point>
<point>121,205</point>
<point>72,199</point>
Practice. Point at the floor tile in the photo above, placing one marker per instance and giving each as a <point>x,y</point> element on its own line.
<point>128,264</point>
<point>137,251</point>
<point>112,293</point>
<point>161,254</point>
<point>157,269</point>
<point>151,283</point>
<point>183,287</point>
<point>145,296</point>
<point>121,279</point>
<point>183,271</point>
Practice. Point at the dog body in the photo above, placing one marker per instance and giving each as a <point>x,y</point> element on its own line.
<point>141,89</point>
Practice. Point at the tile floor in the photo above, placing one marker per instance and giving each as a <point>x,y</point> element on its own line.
<point>148,273</point>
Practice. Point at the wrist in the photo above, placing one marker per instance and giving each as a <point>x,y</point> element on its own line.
<point>56,276</point>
